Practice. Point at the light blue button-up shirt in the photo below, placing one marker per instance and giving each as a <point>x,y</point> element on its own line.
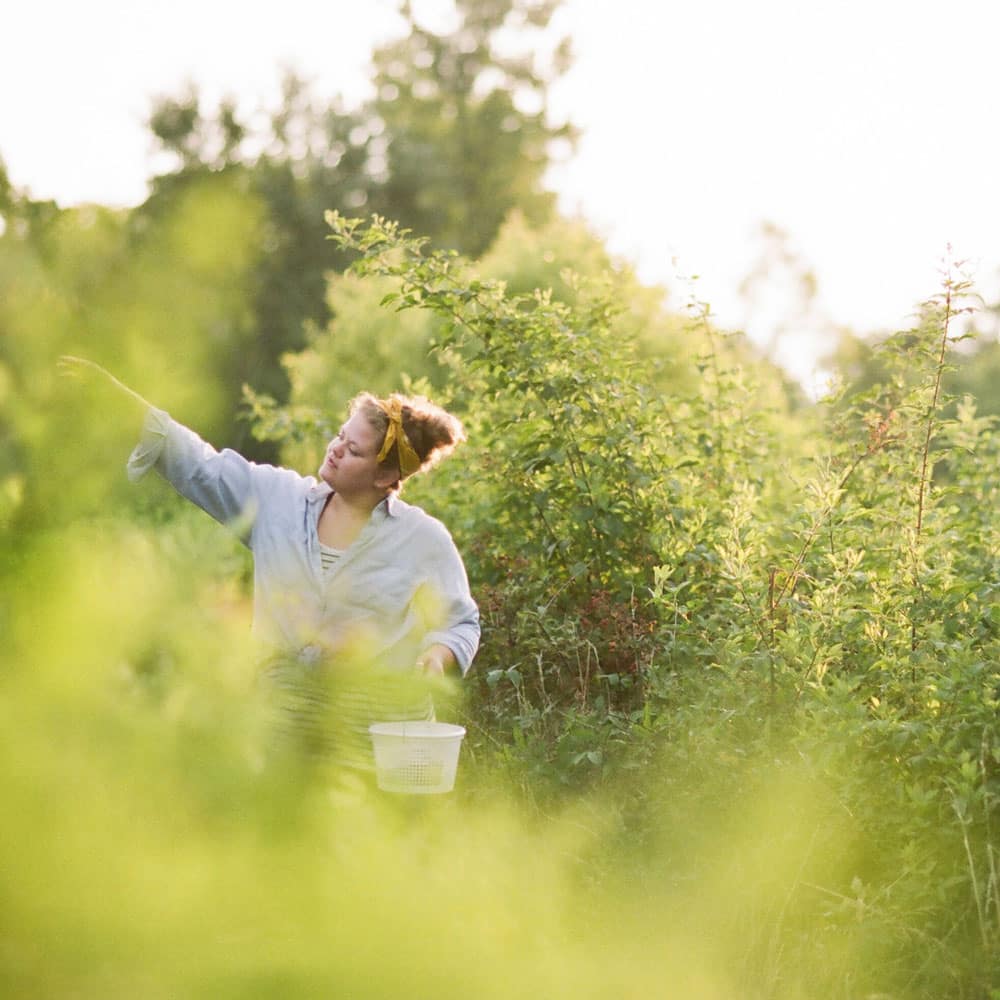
<point>399,588</point>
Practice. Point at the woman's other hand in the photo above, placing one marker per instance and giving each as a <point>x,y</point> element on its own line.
<point>435,661</point>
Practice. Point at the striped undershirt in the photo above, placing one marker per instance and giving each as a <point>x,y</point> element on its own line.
<point>329,557</point>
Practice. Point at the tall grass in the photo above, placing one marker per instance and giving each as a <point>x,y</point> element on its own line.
<point>151,849</point>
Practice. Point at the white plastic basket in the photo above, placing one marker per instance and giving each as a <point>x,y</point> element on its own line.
<point>416,758</point>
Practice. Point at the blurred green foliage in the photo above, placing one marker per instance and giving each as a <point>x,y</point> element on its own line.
<point>733,726</point>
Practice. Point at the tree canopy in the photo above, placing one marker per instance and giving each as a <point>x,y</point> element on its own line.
<point>455,137</point>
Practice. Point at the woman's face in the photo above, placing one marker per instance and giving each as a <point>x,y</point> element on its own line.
<point>351,463</point>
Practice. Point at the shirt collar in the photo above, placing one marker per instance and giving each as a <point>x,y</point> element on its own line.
<point>389,507</point>
<point>320,490</point>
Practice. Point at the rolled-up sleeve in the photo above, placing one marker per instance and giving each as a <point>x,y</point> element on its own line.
<point>221,483</point>
<point>460,631</point>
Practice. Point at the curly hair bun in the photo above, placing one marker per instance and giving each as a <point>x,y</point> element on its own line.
<point>432,432</point>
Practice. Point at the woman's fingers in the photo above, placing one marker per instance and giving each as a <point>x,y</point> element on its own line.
<point>75,367</point>
<point>431,666</point>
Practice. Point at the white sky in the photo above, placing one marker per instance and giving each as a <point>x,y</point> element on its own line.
<point>866,129</point>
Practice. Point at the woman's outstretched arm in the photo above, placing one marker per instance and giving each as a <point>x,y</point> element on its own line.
<point>221,483</point>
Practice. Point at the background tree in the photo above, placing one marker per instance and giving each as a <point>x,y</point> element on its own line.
<point>467,136</point>
<point>455,137</point>
<point>309,156</point>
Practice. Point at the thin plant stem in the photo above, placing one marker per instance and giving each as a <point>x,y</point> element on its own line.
<point>932,410</point>
<point>788,587</point>
<point>973,878</point>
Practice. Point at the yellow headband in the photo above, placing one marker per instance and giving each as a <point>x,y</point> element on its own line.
<point>409,460</point>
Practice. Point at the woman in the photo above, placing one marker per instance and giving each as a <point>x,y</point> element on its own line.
<point>353,587</point>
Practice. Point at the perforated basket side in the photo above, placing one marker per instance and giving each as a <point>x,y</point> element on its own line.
<point>415,763</point>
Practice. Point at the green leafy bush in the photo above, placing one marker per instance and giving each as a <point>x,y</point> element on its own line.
<point>821,600</point>
<point>733,728</point>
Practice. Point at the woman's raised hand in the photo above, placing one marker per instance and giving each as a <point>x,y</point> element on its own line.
<point>80,369</point>
<point>90,373</point>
